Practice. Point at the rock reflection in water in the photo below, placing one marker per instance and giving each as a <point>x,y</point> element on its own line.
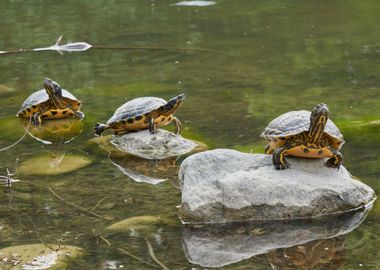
<point>147,171</point>
<point>224,244</point>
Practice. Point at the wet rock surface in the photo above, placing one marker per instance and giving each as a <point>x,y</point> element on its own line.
<point>226,186</point>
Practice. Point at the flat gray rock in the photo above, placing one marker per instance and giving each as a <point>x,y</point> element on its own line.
<point>161,145</point>
<point>218,245</point>
<point>225,186</point>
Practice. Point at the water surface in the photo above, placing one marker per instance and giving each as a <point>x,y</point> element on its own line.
<point>264,58</point>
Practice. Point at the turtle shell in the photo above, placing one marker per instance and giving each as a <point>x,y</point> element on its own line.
<point>41,96</point>
<point>135,107</point>
<point>296,122</point>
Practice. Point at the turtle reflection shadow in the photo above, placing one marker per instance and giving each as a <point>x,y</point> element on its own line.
<point>319,254</point>
<point>56,132</point>
<point>296,243</point>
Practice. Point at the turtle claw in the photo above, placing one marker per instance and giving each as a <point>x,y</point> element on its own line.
<point>154,131</point>
<point>281,166</point>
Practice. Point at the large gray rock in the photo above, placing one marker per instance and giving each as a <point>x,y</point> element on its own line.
<point>161,145</point>
<point>226,185</point>
<point>218,245</point>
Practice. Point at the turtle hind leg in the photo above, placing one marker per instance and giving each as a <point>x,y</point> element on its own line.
<point>36,118</point>
<point>336,160</point>
<point>178,125</point>
<point>279,160</point>
<point>99,128</point>
<point>152,126</point>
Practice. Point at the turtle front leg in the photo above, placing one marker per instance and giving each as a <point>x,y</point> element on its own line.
<point>79,114</point>
<point>278,158</point>
<point>37,118</point>
<point>336,160</point>
<point>152,126</point>
<point>268,150</point>
<point>178,125</point>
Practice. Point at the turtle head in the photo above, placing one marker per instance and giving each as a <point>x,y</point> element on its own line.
<point>318,120</point>
<point>172,105</point>
<point>54,90</point>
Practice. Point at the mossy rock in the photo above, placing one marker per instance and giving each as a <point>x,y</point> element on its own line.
<point>5,90</point>
<point>37,256</point>
<point>45,165</point>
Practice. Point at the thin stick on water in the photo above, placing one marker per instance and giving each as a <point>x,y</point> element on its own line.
<point>105,240</point>
<point>84,46</point>
<point>98,203</point>
<point>151,253</point>
<point>137,258</point>
<point>74,205</point>
<point>19,140</point>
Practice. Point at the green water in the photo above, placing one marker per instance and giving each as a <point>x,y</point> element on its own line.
<point>265,58</point>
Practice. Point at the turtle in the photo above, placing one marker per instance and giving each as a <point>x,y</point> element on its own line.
<point>304,134</point>
<point>143,113</point>
<point>53,102</point>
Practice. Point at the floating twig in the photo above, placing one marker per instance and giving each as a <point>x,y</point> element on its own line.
<point>74,205</point>
<point>137,258</point>
<point>151,253</point>
<point>84,46</point>
<point>8,179</point>
<point>98,203</point>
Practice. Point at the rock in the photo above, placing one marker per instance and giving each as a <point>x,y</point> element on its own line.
<point>161,145</point>
<point>217,245</point>
<point>53,164</point>
<point>37,256</point>
<point>226,185</point>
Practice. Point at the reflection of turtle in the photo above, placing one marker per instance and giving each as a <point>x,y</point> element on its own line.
<point>304,134</point>
<point>50,103</point>
<point>318,254</point>
<point>55,132</point>
<point>142,113</point>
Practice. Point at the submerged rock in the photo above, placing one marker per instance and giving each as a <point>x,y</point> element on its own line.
<point>139,225</point>
<point>53,164</point>
<point>226,185</point>
<point>37,256</point>
<point>218,245</point>
<point>5,90</point>
<point>161,145</point>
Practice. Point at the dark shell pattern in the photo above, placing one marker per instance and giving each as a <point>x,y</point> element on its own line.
<point>41,96</point>
<point>135,107</point>
<point>296,122</point>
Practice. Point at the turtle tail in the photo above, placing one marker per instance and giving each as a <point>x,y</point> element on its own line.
<point>99,128</point>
